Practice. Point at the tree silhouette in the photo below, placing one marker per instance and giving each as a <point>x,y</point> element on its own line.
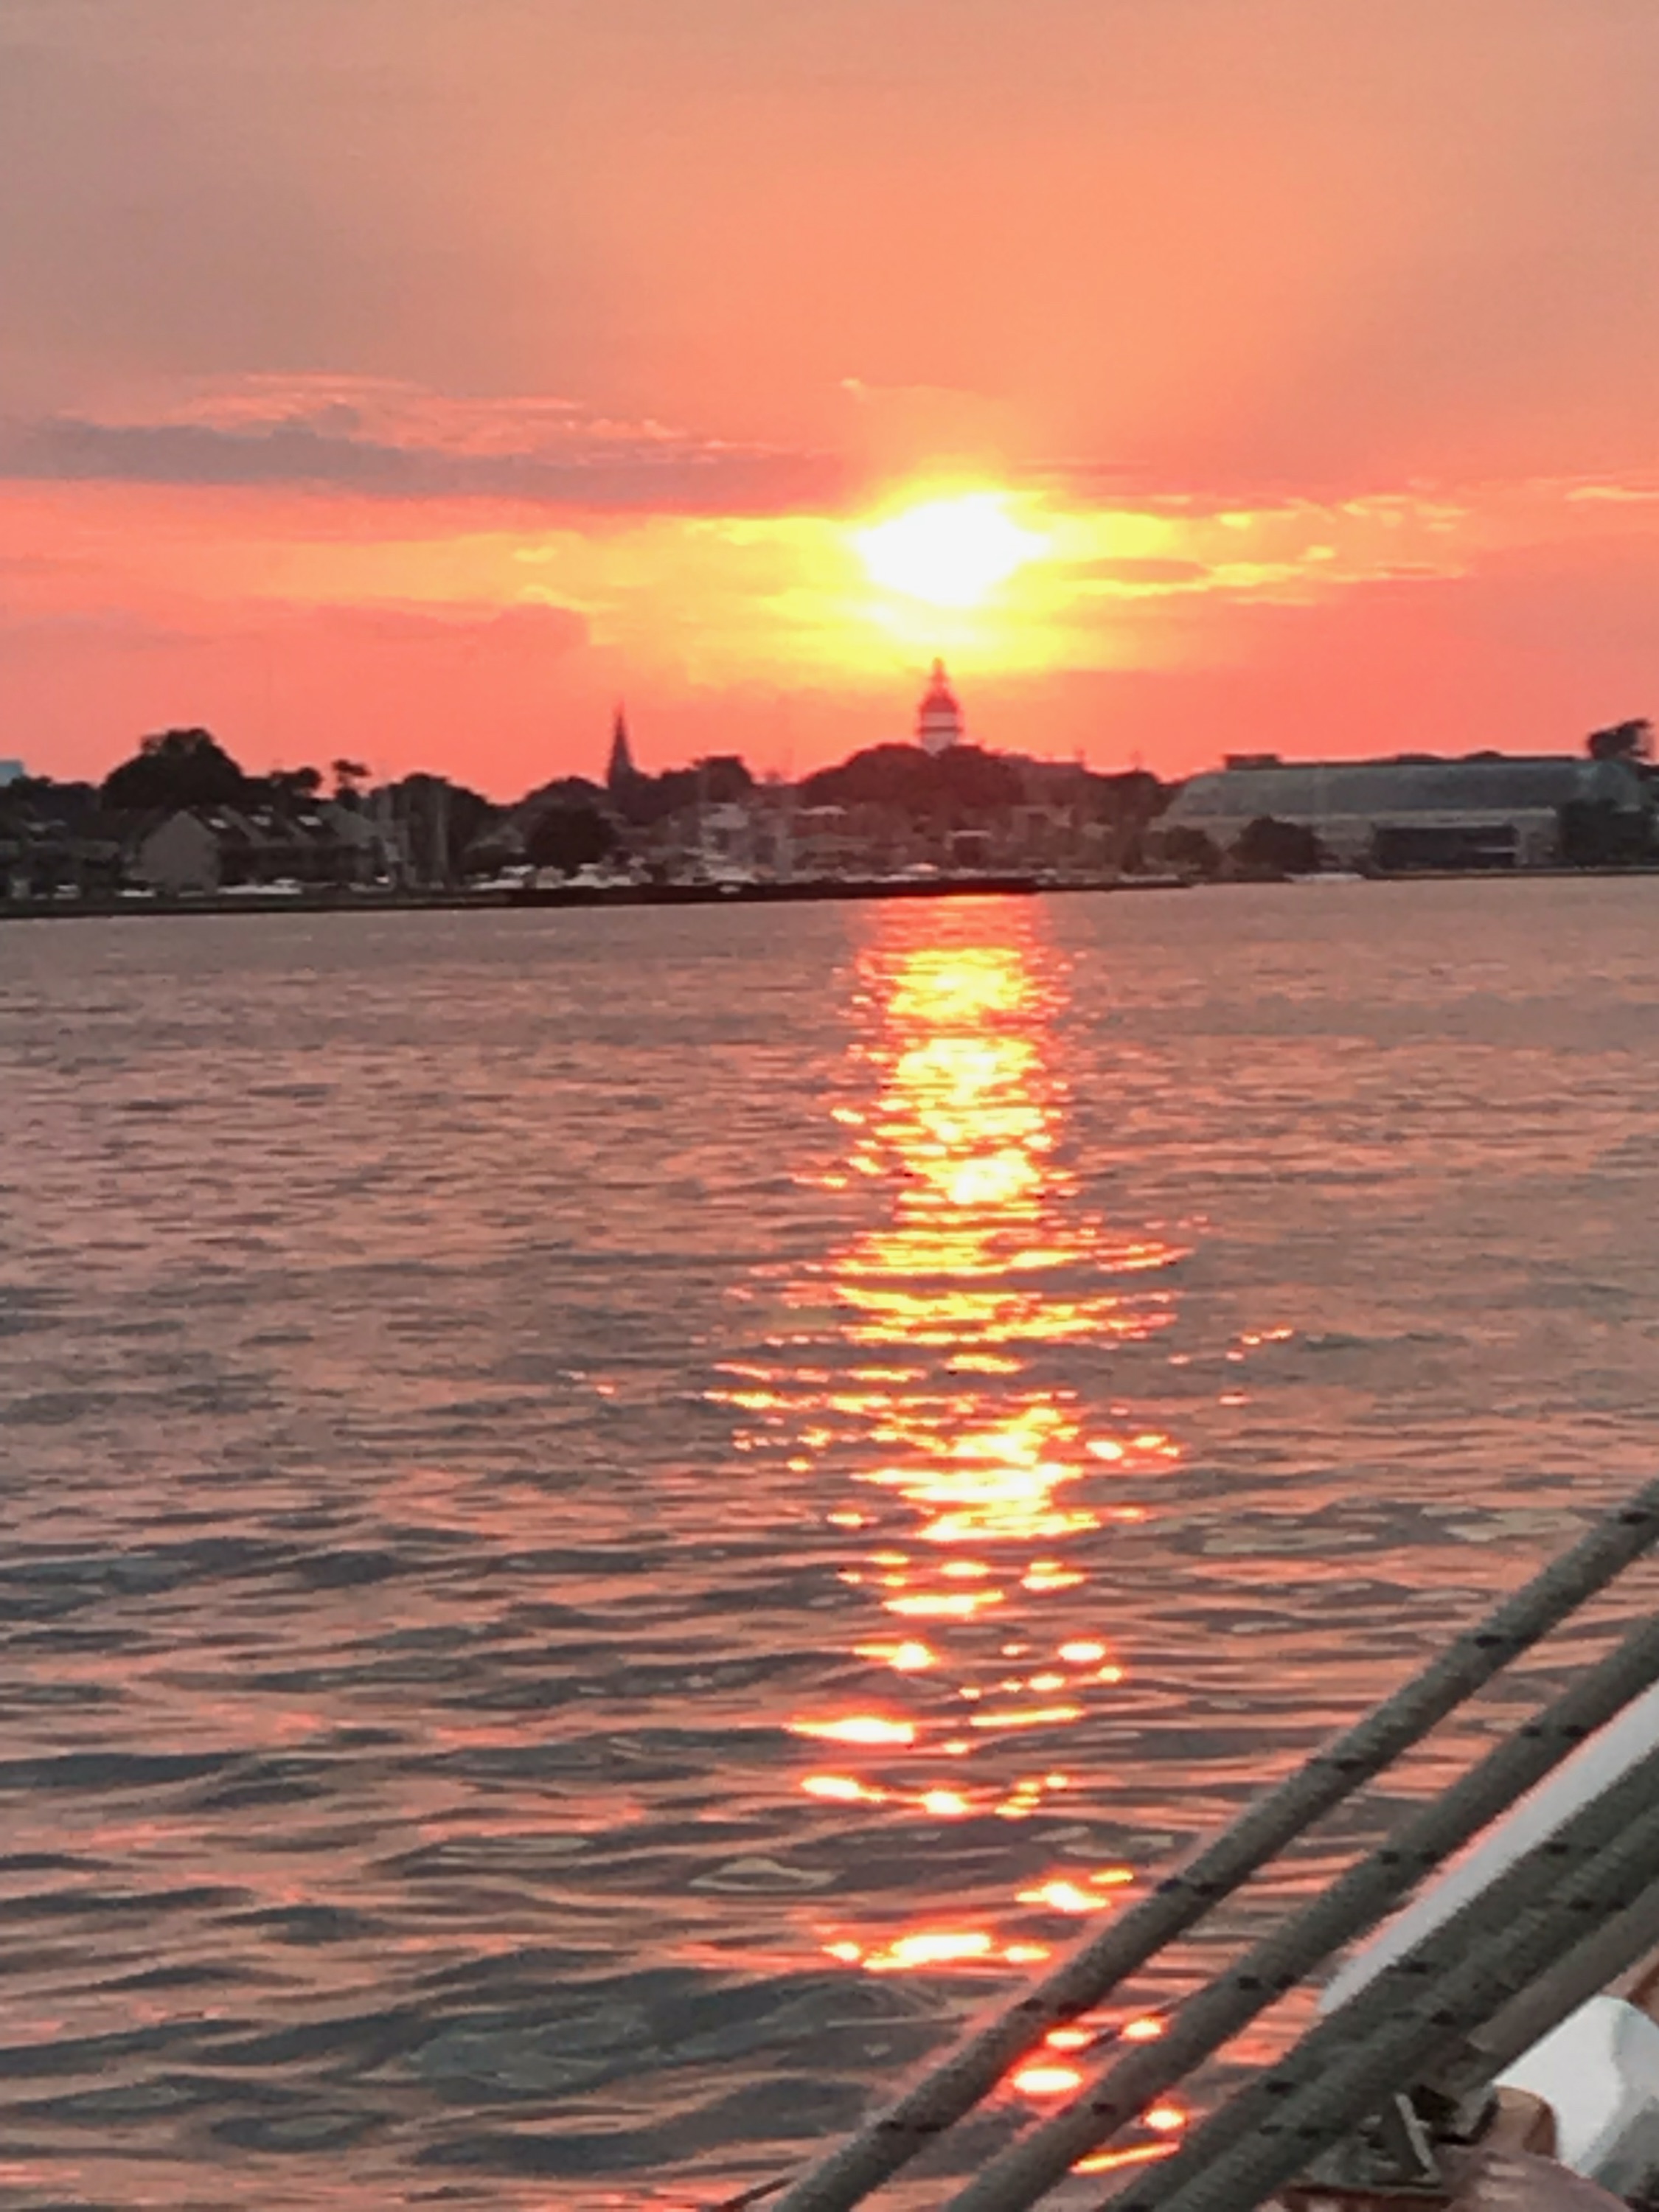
<point>963,783</point>
<point>568,838</point>
<point>1625,741</point>
<point>1192,850</point>
<point>1276,847</point>
<point>1595,834</point>
<point>176,768</point>
<point>294,787</point>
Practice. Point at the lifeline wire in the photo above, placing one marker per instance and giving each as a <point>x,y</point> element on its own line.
<point>1353,1904</point>
<point>1371,2016</point>
<point>1353,2087</point>
<point>1262,1831</point>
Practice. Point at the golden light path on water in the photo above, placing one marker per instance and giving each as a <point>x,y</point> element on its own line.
<point>976,1485</point>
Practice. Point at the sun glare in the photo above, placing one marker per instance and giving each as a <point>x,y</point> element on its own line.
<point>951,552</point>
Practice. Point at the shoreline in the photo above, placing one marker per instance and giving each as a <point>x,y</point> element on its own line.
<point>804,892</point>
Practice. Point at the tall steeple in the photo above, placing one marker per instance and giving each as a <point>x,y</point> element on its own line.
<point>620,771</point>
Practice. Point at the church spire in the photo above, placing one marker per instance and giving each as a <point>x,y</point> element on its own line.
<point>621,769</point>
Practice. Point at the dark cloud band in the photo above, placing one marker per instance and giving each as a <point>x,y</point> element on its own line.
<point>651,476</point>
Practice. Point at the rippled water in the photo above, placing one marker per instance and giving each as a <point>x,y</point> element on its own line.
<point>614,1519</point>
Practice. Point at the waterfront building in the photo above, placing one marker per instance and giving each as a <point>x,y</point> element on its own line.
<point>182,852</point>
<point>1489,810</point>
<point>939,719</point>
<point>201,850</point>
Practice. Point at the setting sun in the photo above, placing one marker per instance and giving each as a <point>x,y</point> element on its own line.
<point>951,552</point>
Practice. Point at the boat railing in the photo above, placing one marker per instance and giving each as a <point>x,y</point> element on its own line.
<point>1417,2021</point>
<point>1584,1884</point>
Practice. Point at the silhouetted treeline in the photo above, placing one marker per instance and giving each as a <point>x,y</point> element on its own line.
<point>643,801</point>
<point>190,768</point>
<point>963,782</point>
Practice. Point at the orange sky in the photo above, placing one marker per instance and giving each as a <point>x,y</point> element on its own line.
<point>412,378</point>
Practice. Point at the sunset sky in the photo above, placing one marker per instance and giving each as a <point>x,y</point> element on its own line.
<point>413,379</point>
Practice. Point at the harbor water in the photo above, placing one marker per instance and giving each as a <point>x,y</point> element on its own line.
<point>614,1520</point>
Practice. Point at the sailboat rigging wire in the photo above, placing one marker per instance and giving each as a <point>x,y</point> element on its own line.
<point>1423,2027</point>
<point>1354,1903</point>
<point>1416,1979</point>
<point>893,2136</point>
<point>1583,1974</point>
<point>1100,2038</point>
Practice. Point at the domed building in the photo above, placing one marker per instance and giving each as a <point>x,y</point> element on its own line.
<point>939,719</point>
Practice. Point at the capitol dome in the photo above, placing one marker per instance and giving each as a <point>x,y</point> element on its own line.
<point>939,719</point>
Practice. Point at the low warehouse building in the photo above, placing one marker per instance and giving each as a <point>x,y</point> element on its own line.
<point>1487,812</point>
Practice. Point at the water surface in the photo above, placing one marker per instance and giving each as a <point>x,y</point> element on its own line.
<point>614,1520</point>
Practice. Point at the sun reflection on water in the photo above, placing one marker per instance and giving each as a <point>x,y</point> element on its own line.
<point>935,1381</point>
